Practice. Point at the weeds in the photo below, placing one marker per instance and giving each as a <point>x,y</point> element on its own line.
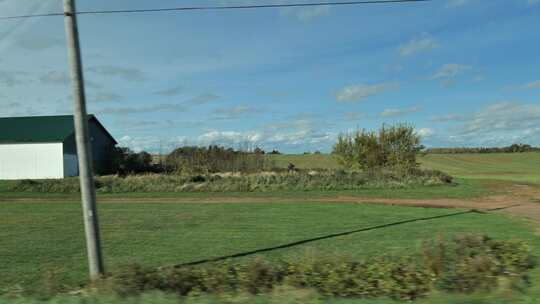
<point>467,264</point>
<point>236,182</point>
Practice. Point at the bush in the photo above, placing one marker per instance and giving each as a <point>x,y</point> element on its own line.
<point>468,264</point>
<point>476,263</point>
<point>214,159</point>
<point>125,161</point>
<point>393,147</point>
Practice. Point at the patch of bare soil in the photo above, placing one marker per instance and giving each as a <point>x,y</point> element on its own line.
<point>516,199</point>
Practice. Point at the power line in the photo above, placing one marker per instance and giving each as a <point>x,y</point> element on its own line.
<point>250,6</point>
<point>228,7</point>
<point>30,16</point>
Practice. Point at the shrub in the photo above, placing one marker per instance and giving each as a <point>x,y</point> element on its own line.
<point>468,264</point>
<point>476,263</point>
<point>125,161</point>
<point>213,159</point>
<point>393,147</point>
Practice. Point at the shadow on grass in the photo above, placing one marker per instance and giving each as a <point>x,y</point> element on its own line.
<point>334,235</point>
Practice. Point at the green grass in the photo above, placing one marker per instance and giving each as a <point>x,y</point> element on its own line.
<point>41,237</point>
<point>516,167</point>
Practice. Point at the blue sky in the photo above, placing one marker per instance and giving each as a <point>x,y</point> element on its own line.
<point>463,72</point>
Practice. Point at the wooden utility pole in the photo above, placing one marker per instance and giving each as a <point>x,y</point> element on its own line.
<point>84,152</point>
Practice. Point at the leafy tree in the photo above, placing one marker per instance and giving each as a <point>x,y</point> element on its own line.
<point>125,161</point>
<point>392,147</point>
<point>213,159</point>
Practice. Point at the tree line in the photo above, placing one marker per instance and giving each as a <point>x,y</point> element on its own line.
<point>189,160</point>
<point>515,148</point>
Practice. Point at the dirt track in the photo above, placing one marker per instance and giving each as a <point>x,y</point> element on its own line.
<point>520,200</point>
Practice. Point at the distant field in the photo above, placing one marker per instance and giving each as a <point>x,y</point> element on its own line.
<point>517,167</point>
<point>41,237</point>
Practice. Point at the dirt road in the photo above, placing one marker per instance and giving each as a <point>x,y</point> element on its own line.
<point>516,199</point>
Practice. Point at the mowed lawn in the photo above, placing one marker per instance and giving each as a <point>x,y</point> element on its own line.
<point>516,167</point>
<point>38,238</point>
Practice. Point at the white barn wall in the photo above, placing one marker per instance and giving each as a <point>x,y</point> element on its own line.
<point>31,161</point>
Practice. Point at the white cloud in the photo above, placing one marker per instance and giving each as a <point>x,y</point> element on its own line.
<point>425,132</point>
<point>417,45</point>
<point>306,13</point>
<point>501,123</point>
<point>450,70</point>
<point>448,118</point>
<point>360,92</point>
<point>354,116</point>
<point>177,90</point>
<point>230,138</point>
<point>398,112</point>
<point>479,78</point>
<point>235,112</point>
<point>456,3</point>
<point>526,86</point>
<point>202,99</point>
<point>534,84</point>
<point>264,138</point>
<point>301,137</point>
<point>152,143</point>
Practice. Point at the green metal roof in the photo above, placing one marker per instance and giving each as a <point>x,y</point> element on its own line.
<point>38,129</point>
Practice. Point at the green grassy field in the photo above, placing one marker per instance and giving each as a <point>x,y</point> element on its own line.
<point>41,237</point>
<point>517,167</point>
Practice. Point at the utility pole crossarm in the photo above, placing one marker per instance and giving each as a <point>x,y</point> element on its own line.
<point>84,152</point>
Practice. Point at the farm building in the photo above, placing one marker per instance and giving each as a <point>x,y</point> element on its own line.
<point>43,147</point>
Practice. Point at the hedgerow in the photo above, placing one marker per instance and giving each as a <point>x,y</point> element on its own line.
<point>258,182</point>
<point>465,265</point>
